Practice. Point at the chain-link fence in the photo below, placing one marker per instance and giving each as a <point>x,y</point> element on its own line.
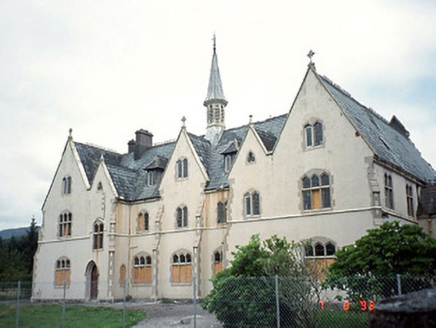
<point>235,301</point>
<point>299,302</point>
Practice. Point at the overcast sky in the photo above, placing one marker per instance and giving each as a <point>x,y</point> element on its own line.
<point>108,68</point>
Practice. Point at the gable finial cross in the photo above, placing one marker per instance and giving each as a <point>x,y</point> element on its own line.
<point>183,121</point>
<point>70,136</point>
<point>310,55</point>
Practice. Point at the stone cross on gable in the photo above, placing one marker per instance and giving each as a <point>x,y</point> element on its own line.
<point>310,55</point>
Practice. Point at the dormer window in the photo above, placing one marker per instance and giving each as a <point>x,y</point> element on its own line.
<point>153,177</point>
<point>228,162</point>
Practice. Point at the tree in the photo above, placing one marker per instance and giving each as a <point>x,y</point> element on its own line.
<point>369,267</point>
<point>245,293</point>
<point>28,245</point>
<point>389,250</point>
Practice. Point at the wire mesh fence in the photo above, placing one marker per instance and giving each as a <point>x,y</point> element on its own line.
<point>299,302</point>
<point>235,301</point>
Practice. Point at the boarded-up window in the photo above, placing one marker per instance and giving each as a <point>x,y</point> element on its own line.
<point>217,262</point>
<point>142,270</point>
<point>62,272</point>
<point>143,222</point>
<point>319,257</point>
<point>181,270</point>
<point>122,274</point>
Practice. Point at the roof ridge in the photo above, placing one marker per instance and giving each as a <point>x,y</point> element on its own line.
<point>88,144</point>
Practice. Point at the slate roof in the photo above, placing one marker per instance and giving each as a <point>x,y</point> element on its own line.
<point>215,87</point>
<point>427,201</point>
<point>389,142</point>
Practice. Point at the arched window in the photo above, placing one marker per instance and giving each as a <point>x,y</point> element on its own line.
<point>66,185</point>
<point>182,168</point>
<point>62,272</point>
<point>97,238</point>
<point>389,192</point>
<point>143,221</point>
<point>316,191</point>
<point>217,262</point>
<point>252,203</point>
<point>319,256</point>
<point>182,217</point>
<point>142,270</point>
<point>65,222</point>
<point>222,212</point>
<point>313,135</point>
<point>181,269</point>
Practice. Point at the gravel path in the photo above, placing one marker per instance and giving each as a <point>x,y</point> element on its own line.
<point>174,315</point>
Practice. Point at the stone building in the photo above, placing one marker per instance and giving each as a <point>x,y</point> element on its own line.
<point>160,215</point>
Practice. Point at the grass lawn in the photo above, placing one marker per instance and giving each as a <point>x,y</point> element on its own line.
<point>342,319</point>
<point>49,316</point>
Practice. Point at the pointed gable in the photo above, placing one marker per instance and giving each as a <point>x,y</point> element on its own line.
<point>388,144</point>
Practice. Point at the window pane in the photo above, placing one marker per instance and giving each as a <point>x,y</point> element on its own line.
<point>182,258</point>
<point>315,181</point>
<point>325,192</point>
<point>179,169</point>
<point>185,216</point>
<point>330,249</point>
<point>185,168</point>
<point>175,259</point>
<point>148,260</point>
<point>325,179</point>
<point>318,133</point>
<point>307,199</point>
<point>319,250</point>
<point>308,129</point>
<point>309,250</point>
<point>220,212</point>
<point>179,217</point>
<point>188,258</point>
<point>247,204</point>
<point>306,182</point>
<point>256,204</point>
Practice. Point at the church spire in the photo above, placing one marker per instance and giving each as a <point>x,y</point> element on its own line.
<point>215,101</point>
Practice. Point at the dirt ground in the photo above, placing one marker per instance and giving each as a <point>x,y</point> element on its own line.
<point>174,315</point>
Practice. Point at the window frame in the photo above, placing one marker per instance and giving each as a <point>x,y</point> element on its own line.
<point>182,169</point>
<point>314,135</point>
<point>66,185</point>
<point>252,204</point>
<point>65,225</point>
<point>410,201</point>
<point>182,217</point>
<point>222,212</point>
<point>316,191</point>
<point>62,272</point>
<point>389,191</point>
<point>98,236</point>
<point>181,269</point>
<point>142,270</point>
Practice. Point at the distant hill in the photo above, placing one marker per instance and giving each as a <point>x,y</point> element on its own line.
<point>17,232</point>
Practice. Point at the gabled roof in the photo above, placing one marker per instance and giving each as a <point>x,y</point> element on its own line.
<point>389,141</point>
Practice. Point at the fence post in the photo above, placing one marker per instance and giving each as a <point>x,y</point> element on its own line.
<point>18,304</point>
<point>194,287</point>
<point>124,302</point>
<point>277,301</point>
<point>399,284</point>
<point>63,305</point>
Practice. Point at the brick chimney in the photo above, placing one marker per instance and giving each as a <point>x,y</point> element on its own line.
<point>144,140</point>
